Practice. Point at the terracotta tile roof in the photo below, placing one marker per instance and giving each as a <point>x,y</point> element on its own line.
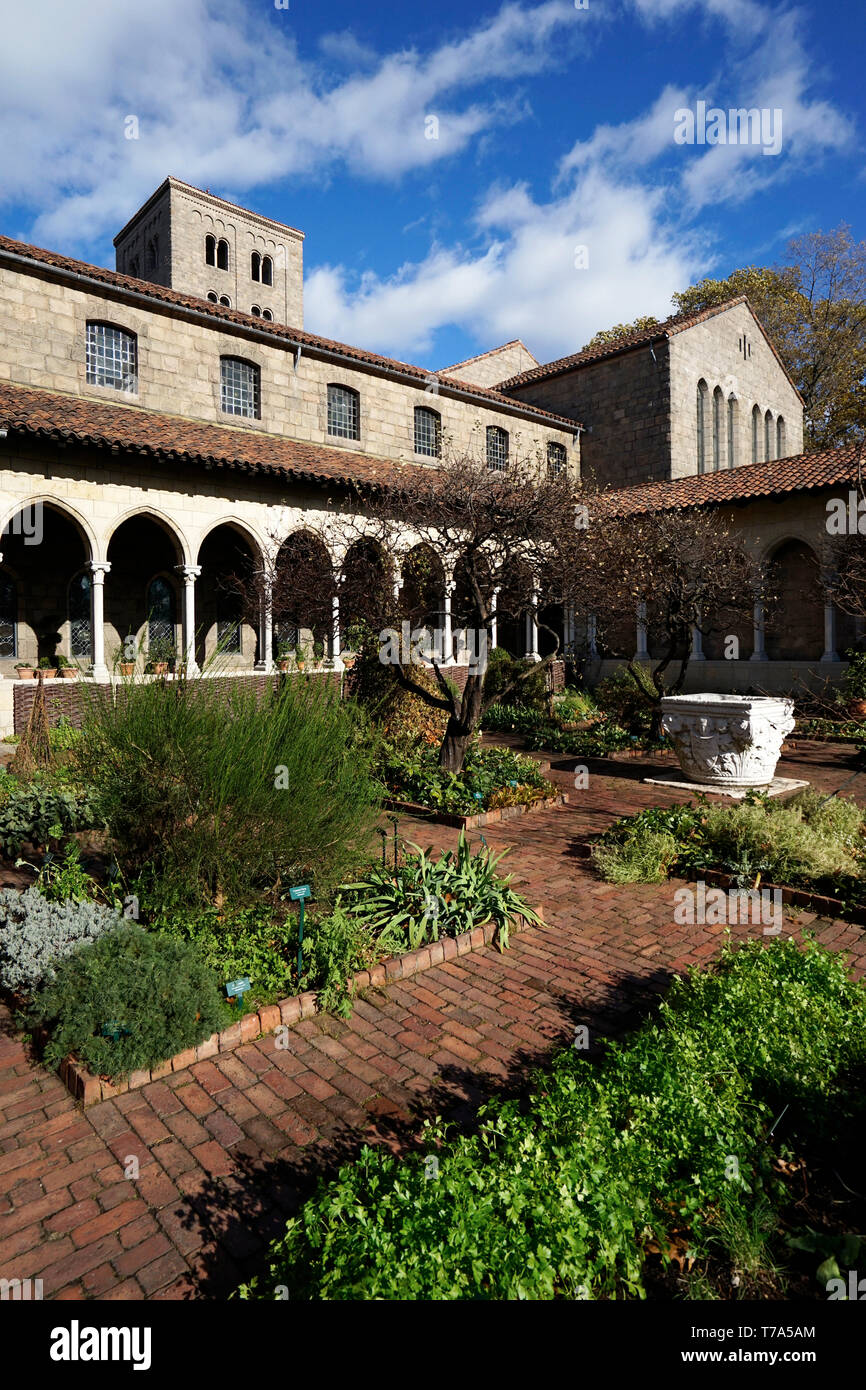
<point>803,473</point>
<point>128,429</point>
<point>678,323</point>
<point>292,337</point>
<point>491,352</point>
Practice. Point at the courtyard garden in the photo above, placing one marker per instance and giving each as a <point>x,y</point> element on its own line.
<point>157,850</point>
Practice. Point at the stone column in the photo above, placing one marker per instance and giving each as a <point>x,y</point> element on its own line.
<point>98,570</point>
<point>592,635</point>
<point>532,628</point>
<point>494,621</point>
<point>189,574</point>
<point>335,629</point>
<point>829,653</point>
<point>265,663</point>
<point>759,652</point>
<point>642,653</point>
<point>447,636</point>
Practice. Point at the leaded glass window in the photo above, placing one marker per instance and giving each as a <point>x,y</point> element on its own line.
<point>497,448</point>
<point>343,412</point>
<point>428,432</point>
<point>79,615</point>
<point>239,387</point>
<point>112,357</point>
<point>160,617</point>
<point>8,617</point>
<point>556,459</point>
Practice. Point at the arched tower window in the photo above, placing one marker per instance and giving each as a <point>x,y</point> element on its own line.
<point>768,436</point>
<point>732,431</point>
<point>781,439</point>
<point>255,266</point>
<point>717,429</point>
<point>756,434</point>
<point>267,271</point>
<point>210,250</point>
<point>222,254</point>
<point>703,392</point>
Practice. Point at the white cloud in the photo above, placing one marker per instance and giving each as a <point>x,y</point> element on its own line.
<point>224,99</point>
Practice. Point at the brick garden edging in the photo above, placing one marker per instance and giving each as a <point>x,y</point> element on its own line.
<point>90,1090</point>
<point>458,822</point>
<point>795,897</point>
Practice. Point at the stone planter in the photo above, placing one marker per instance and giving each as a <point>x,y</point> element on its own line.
<point>727,740</point>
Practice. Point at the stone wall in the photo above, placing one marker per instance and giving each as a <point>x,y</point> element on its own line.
<point>489,368</point>
<point>730,352</point>
<point>42,343</point>
<point>623,402</point>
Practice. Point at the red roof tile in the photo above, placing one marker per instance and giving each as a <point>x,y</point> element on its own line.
<point>803,473</point>
<point>129,429</point>
<point>292,337</point>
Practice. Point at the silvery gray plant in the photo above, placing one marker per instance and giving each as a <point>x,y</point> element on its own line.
<point>35,934</point>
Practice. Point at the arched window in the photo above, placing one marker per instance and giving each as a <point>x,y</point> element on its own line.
<point>111,357</point>
<point>557,459</point>
<point>133,268</point>
<point>210,250</point>
<point>161,642</point>
<point>256,311</point>
<point>8,616</point>
<point>497,449</point>
<point>703,392</point>
<point>267,271</point>
<point>781,440</point>
<point>344,412</point>
<point>240,388</point>
<point>428,432</point>
<point>266,314</point>
<point>732,431</point>
<point>717,429</point>
<point>225,301</point>
<point>222,254</point>
<point>768,436</point>
<point>255,266</point>
<point>756,434</point>
<point>213,296</point>
<point>79,615</point>
<point>152,253</point>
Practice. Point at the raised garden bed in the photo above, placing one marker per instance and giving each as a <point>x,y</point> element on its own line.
<point>90,1090</point>
<point>473,822</point>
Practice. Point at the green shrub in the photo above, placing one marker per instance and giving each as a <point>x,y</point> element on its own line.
<point>559,1195</point>
<point>131,1000</point>
<point>38,813</point>
<point>220,793</point>
<point>36,933</point>
<point>502,669</point>
<point>628,702</point>
<point>428,898</point>
<point>644,858</point>
<point>489,777</point>
<point>255,942</point>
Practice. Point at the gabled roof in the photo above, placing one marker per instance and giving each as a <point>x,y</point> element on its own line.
<point>491,352</point>
<point>67,419</point>
<point>776,478</point>
<point>19,252</point>
<point>644,337</point>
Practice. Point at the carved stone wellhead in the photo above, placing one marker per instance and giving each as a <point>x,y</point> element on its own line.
<point>728,740</point>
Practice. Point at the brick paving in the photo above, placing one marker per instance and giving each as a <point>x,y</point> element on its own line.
<point>173,1190</point>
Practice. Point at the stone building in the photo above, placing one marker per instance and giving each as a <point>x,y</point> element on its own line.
<point>168,423</point>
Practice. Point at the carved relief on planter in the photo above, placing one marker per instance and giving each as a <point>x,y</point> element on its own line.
<point>727,740</point>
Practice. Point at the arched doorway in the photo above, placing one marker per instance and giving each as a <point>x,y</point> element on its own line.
<point>303,593</point>
<point>143,593</point>
<point>226,600</point>
<point>44,549</point>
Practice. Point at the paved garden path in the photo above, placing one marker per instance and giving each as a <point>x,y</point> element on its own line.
<point>226,1150</point>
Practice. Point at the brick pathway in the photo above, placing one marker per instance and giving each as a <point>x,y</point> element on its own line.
<point>227,1149</point>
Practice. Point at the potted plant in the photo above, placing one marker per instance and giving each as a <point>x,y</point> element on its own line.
<point>300,656</point>
<point>67,670</point>
<point>48,667</point>
<point>318,651</point>
<point>854,684</point>
<point>161,656</point>
<point>25,670</point>
<point>284,656</point>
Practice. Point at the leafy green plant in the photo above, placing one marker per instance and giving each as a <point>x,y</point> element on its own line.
<point>571,1186</point>
<point>425,898</point>
<point>131,1000</point>
<point>490,777</point>
<point>40,813</point>
<point>644,858</point>
<point>220,795</point>
<point>503,669</point>
<point>64,877</point>
<point>36,933</point>
<point>854,680</point>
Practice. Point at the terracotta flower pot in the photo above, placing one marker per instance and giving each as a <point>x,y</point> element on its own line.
<point>127,668</point>
<point>69,673</point>
<point>160,668</point>
<point>26,673</point>
<point>283,665</point>
<point>48,673</point>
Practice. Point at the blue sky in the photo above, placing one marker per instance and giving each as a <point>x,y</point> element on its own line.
<point>553,201</point>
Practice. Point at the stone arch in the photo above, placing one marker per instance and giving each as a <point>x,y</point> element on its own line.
<point>142,546</point>
<point>45,543</point>
<point>795,612</point>
<point>245,529</point>
<point>174,532</point>
<point>228,594</point>
<point>304,584</point>
<point>59,504</point>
